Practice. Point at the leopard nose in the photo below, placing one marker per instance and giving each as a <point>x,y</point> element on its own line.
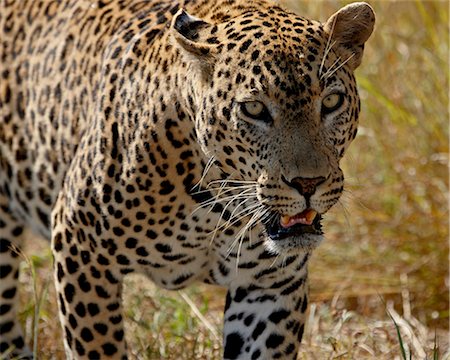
<point>305,186</point>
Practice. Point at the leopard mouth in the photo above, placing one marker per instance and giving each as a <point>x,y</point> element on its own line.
<point>299,226</point>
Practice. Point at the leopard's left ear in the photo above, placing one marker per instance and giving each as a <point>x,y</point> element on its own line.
<point>193,35</point>
<point>350,28</point>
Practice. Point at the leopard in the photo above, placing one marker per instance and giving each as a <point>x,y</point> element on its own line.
<point>189,141</point>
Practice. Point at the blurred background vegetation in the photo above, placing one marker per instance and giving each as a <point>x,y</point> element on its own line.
<point>387,246</point>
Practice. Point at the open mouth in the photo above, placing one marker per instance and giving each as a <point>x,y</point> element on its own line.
<point>284,226</point>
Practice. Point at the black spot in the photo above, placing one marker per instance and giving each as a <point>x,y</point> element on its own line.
<point>118,197</point>
<point>140,215</point>
<point>274,340</point>
<point>241,294</point>
<point>256,69</point>
<point>80,309</point>
<point>101,292</point>
<point>5,270</point>
<point>141,251</point>
<point>248,265</point>
<point>101,328</point>
<point>266,255</point>
<point>115,136</point>
<point>279,315</point>
<point>43,217</point>
<point>57,242</point>
<point>113,306</point>
<point>131,243</point>
<point>72,266</point>
<point>305,304</point>
<point>233,346</point>
<point>223,269</point>
<point>249,319</point>
<point>4,308</point>
<point>79,348</point>
<point>93,355</point>
<point>179,280</point>
<point>4,245</point>
<point>245,45</point>
<point>293,287</point>
<point>93,309</point>
<point>68,336</point>
<point>227,301</point>
<point>289,349</point>
<point>118,335</point>
<point>300,332</point>
<point>260,327</point>
<point>9,293</point>
<point>151,234</point>
<point>256,354</point>
<point>6,327</point>
<point>102,260</point>
<point>118,231</point>
<point>86,335</point>
<point>109,349</point>
<point>73,322</point>
<point>166,187</point>
<point>83,283</point>
<point>163,248</point>
<point>110,277</point>
<point>115,319</point>
<point>18,342</point>
<point>123,260</point>
<point>69,292</point>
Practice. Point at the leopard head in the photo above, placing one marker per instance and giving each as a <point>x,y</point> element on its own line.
<point>276,106</point>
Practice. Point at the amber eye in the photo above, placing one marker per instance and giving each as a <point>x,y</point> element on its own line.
<point>256,110</point>
<point>332,102</point>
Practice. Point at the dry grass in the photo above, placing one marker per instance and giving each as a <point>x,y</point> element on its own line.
<point>387,246</point>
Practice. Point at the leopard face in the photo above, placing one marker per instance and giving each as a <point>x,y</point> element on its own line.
<point>276,107</point>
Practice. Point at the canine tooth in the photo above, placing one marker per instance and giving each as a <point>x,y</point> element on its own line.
<point>285,219</point>
<point>311,215</point>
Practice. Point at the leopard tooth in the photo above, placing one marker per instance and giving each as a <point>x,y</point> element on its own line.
<point>285,220</point>
<point>311,215</point>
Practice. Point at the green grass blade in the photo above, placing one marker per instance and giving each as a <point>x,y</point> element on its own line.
<point>399,335</point>
<point>435,347</point>
<point>397,328</point>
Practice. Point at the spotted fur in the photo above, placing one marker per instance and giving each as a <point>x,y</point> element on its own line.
<point>126,139</point>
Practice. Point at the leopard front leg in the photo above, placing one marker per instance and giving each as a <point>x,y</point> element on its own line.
<point>12,342</point>
<point>266,322</point>
<point>88,288</point>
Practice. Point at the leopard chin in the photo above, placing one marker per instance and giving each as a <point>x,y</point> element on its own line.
<point>284,235</point>
<point>300,243</point>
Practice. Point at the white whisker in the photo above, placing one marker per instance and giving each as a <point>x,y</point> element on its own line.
<point>330,69</point>
<point>327,75</point>
<point>257,215</point>
<point>232,181</point>
<point>254,210</point>
<point>328,48</point>
<point>273,262</point>
<point>246,212</point>
<point>227,188</point>
<point>238,217</point>
<point>216,199</point>
<point>205,171</point>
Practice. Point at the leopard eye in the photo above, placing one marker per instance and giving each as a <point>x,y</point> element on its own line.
<point>255,110</point>
<point>332,102</point>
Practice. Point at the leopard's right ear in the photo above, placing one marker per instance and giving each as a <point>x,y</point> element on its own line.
<point>193,36</point>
